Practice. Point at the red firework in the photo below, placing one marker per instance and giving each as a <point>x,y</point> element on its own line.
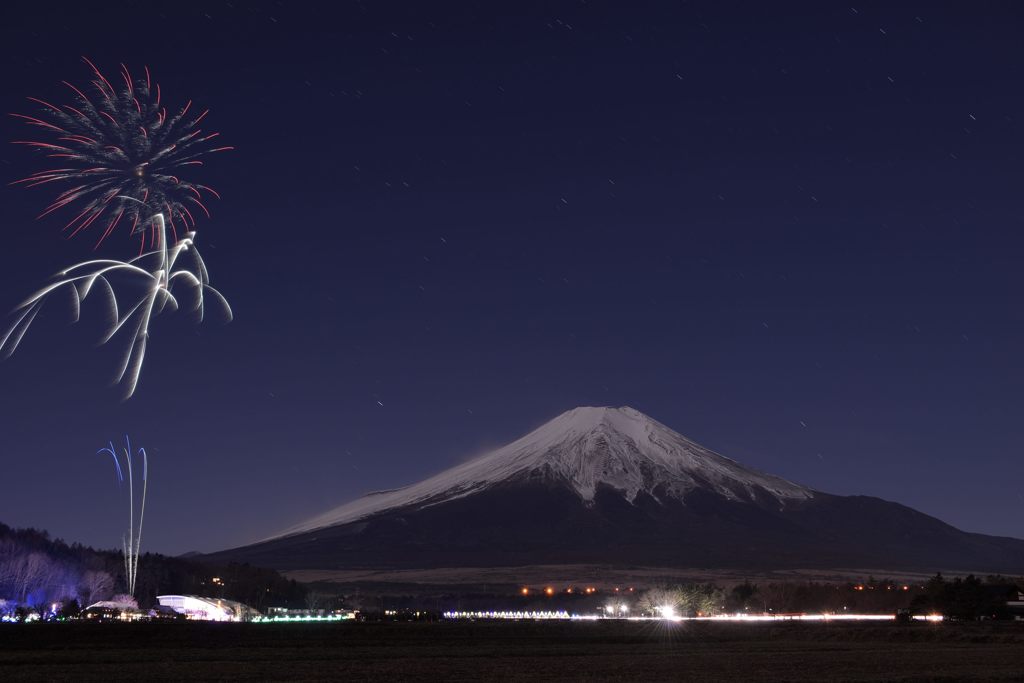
<point>124,156</point>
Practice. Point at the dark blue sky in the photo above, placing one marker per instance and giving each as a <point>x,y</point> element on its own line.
<point>790,232</point>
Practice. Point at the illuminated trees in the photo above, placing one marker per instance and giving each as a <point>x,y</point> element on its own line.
<point>95,586</point>
<point>658,600</point>
<point>692,599</point>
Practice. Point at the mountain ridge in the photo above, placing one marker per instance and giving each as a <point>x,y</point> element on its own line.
<point>613,486</point>
<point>646,452</point>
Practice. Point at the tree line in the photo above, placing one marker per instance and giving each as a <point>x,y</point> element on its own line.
<point>38,572</point>
<point>965,598</point>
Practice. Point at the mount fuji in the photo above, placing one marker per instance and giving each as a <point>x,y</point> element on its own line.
<point>612,486</point>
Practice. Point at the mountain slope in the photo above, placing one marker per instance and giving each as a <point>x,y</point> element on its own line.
<point>613,486</point>
<point>584,448</point>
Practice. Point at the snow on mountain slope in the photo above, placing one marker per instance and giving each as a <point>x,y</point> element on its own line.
<point>619,447</point>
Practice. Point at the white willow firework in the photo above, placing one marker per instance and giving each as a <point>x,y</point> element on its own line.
<point>157,272</point>
<point>133,541</point>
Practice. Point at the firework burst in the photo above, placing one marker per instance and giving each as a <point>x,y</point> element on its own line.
<point>123,154</point>
<point>155,274</point>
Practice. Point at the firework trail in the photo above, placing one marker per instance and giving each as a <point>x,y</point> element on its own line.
<point>133,541</point>
<point>157,271</point>
<point>121,150</point>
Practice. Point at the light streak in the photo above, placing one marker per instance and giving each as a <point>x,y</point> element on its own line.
<point>303,619</point>
<point>513,614</point>
<point>156,271</point>
<point>131,543</point>
<point>737,618</point>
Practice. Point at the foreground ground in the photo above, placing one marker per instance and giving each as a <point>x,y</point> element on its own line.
<point>549,651</point>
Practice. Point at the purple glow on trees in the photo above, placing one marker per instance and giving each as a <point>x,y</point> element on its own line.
<point>32,577</point>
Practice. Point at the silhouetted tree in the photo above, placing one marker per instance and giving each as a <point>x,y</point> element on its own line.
<point>741,597</point>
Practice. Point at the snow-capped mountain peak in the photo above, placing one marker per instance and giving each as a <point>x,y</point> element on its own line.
<point>584,448</point>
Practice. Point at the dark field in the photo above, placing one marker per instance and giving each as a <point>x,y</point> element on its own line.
<point>616,651</point>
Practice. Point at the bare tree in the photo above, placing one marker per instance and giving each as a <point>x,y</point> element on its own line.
<point>31,572</point>
<point>779,596</point>
<point>125,600</point>
<point>95,585</point>
<point>315,599</point>
<point>703,600</point>
<point>9,552</point>
<point>661,601</point>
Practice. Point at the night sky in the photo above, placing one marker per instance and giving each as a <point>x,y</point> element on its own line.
<point>792,233</point>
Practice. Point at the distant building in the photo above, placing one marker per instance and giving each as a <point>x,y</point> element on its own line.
<point>208,609</point>
<point>1015,605</point>
<point>295,612</point>
<point>114,609</point>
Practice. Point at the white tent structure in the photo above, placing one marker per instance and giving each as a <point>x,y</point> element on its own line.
<point>208,609</point>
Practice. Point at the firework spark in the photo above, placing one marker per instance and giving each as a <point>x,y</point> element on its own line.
<point>122,150</point>
<point>157,271</point>
<point>133,541</point>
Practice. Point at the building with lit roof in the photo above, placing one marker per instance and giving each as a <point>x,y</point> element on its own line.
<point>208,609</point>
